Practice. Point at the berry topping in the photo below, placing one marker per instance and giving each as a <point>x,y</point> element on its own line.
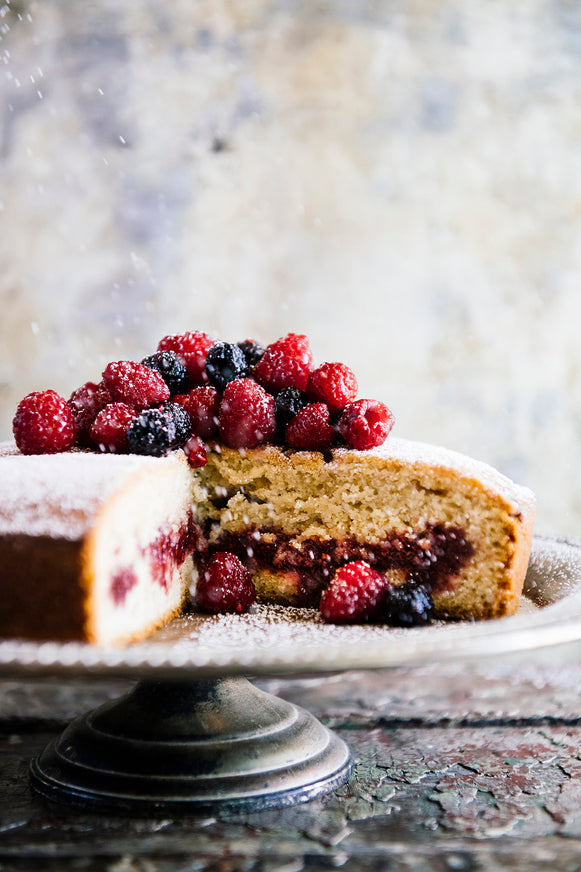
<point>152,432</point>
<point>241,393</point>
<point>333,384</point>
<point>310,429</point>
<point>287,403</point>
<point>408,605</point>
<point>110,426</point>
<point>86,402</point>
<point>202,405</point>
<point>171,368</point>
<point>365,424</point>
<point>135,384</point>
<point>354,595</point>
<point>225,586</point>
<point>181,421</point>
<point>252,351</point>
<point>44,424</point>
<point>196,451</point>
<point>192,348</point>
<point>247,416</point>
<point>224,363</point>
<point>285,363</point>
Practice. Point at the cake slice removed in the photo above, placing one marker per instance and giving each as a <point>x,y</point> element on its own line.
<point>93,547</point>
<point>419,513</point>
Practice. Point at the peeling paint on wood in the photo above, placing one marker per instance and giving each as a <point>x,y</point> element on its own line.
<point>460,787</point>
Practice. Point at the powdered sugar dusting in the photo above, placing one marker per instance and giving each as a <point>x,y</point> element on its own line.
<point>58,495</point>
<point>554,572</point>
<point>422,453</point>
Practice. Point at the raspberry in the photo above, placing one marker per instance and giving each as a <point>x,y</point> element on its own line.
<point>354,595</point>
<point>286,363</point>
<point>310,429</point>
<point>110,426</point>
<point>181,421</point>
<point>224,363</point>
<point>247,416</point>
<point>333,384</point>
<point>196,451</point>
<point>408,605</point>
<point>252,351</point>
<point>287,403</point>
<point>202,405</point>
<point>151,432</point>
<point>44,424</point>
<point>192,348</point>
<point>171,368</point>
<point>135,384</point>
<point>225,586</point>
<point>365,424</point>
<point>86,402</point>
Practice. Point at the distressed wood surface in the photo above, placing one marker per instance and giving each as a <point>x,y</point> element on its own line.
<point>456,769</point>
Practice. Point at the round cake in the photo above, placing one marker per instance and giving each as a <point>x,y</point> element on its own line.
<point>118,505</point>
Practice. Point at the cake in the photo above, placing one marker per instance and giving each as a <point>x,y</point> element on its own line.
<point>296,481</point>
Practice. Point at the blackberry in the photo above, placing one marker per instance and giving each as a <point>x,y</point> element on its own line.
<point>408,605</point>
<point>171,368</point>
<point>252,351</point>
<point>182,423</point>
<point>152,432</point>
<point>225,362</point>
<point>287,403</point>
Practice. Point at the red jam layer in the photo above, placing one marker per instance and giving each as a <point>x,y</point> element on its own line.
<point>121,584</point>
<point>165,554</point>
<point>433,556</point>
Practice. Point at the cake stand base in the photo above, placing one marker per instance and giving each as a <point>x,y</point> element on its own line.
<point>196,746</point>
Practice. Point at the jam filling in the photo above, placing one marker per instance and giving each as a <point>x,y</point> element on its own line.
<point>165,554</point>
<point>169,549</point>
<point>121,584</point>
<point>432,556</point>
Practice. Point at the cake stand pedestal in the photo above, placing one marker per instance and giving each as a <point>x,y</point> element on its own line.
<point>192,746</point>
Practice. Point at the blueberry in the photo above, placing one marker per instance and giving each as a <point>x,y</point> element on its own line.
<point>152,432</point>
<point>252,351</point>
<point>171,368</point>
<point>225,362</point>
<point>182,423</point>
<point>408,605</point>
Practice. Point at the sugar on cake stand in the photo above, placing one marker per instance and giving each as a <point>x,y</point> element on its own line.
<point>195,735</point>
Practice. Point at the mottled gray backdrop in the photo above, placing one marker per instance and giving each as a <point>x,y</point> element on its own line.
<point>399,180</point>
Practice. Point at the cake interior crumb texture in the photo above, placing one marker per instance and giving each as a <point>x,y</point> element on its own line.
<point>103,547</point>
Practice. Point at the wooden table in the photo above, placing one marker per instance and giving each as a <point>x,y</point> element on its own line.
<point>457,768</point>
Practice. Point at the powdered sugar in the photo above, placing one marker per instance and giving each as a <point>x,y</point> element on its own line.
<point>58,495</point>
<point>422,453</point>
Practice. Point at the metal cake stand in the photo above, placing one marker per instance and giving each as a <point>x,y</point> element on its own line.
<point>195,735</point>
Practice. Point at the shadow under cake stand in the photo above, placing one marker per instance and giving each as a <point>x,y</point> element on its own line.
<point>195,735</point>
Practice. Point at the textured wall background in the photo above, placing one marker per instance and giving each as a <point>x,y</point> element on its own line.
<point>399,180</point>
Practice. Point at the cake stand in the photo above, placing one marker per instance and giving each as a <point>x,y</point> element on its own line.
<point>195,735</point>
